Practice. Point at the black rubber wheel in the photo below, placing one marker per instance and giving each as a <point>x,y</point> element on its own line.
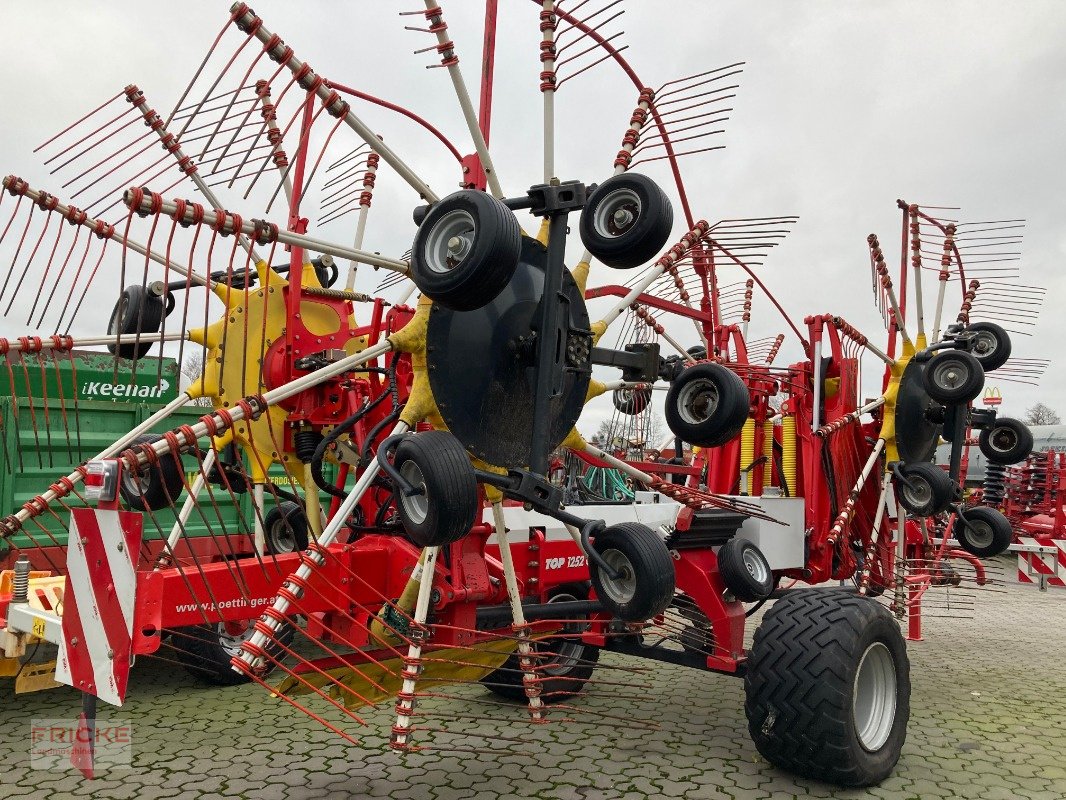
<point>626,221</point>
<point>631,401</point>
<point>466,250</point>
<point>745,571</point>
<point>953,377</point>
<point>991,345</point>
<point>206,650</point>
<point>1006,441</point>
<point>985,532</point>
<point>827,689</point>
<point>137,311</point>
<point>564,663</point>
<point>447,504</point>
<point>707,405</point>
<point>152,487</point>
<point>645,586</point>
<point>285,528</point>
<point>931,489</point>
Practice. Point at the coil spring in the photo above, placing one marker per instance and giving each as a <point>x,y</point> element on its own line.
<point>305,442</point>
<point>993,485</point>
<point>21,588</point>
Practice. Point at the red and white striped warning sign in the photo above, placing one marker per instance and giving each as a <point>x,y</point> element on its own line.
<point>98,602</point>
<point>1032,565</point>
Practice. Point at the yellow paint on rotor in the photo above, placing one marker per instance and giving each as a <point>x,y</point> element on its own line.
<point>236,344</point>
<point>891,395</point>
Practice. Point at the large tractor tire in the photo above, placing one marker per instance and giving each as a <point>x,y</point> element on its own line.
<point>828,687</point>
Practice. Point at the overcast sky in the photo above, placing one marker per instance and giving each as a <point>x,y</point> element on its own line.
<point>842,109</point>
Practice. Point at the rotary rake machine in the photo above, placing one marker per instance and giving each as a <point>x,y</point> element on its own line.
<point>444,556</point>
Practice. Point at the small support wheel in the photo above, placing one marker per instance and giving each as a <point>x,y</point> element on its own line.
<point>990,344</point>
<point>626,221</point>
<point>631,401</point>
<point>445,504</point>
<point>285,528</point>
<point>564,662</point>
<point>707,405</point>
<point>138,311</point>
<point>745,571</point>
<point>983,531</point>
<point>827,691</point>
<point>1006,441</point>
<point>466,250</point>
<point>954,377</point>
<point>924,489</point>
<point>206,650</point>
<point>645,583</point>
<point>153,486</point>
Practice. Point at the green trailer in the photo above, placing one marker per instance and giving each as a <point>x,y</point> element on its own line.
<point>58,411</point>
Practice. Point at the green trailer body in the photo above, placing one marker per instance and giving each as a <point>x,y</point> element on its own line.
<point>57,412</point>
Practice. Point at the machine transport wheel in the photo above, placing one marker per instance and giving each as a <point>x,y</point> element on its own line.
<point>984,532</point>
<point>1007,441</point>
<point>991,345</point>
<point>153,486</point>
<point>565,665</point>
<point>205,650</point>
<point>631,401</point>
<point>446,505</point>
<point>285,528</point>
<point>954,377</point>
<point>930,489</point>
<point>138,311</point>
<point>827,690</point>
<point>626,221</point>
<point>745,570</point>
<point>466,250</point>
<point>707,405</point>
<point>645,585</point>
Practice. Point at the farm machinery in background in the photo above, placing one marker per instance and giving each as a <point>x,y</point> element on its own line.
<point>445,557</point>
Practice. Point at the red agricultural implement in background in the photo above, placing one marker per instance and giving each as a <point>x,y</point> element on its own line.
<point>445,556</point>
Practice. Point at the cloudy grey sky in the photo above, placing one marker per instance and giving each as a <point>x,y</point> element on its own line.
<point>842,109</point>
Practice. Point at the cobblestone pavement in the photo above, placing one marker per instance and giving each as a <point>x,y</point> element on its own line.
<point>988,721</point>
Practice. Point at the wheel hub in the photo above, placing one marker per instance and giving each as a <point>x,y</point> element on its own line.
<point>874,698</point>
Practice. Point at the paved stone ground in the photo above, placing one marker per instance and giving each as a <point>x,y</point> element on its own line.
<point>988,721</point>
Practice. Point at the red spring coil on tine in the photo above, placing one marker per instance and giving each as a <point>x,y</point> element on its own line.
<point>47,202</point>
<point>5,346</point>
<point>31,344</point>
<point>62,342</point>
<point>15,185</point>
<point>265,232</point>
<point>75,216</point>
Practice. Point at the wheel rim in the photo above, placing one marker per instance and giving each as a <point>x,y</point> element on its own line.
<point>232,642</point>
<point>979,533</point>
<point>415,506</point>
<point>617,214</point>
<point>698,401</point>
<point>875,697</point>
<point>136,482</point>
<point>450,241</point>
<point>920,493</point>
<point>115,325</point>
<point>283,537</point>
<point>566,652</point>
<point>1003,439</point>
<point>985,344</point>
<point>622,589</point>
<point>951,375</point>
<point>756,566</point>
